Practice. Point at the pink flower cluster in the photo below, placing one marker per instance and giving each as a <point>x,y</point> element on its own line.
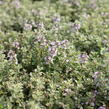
<point>16,45</point>
<point>96,74</point>
<point>12,56</point>
<point>52,47</point>
<point>83,58</point>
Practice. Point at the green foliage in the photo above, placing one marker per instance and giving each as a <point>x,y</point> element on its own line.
<point>54,54</point>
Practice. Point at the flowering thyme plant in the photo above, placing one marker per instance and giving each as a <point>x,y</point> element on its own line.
<point>54,54</point>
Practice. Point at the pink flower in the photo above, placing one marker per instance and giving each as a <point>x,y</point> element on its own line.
<point>102,107</point>
<point>40,25</point>
<point>56,19</point>
<point>16,45</point>
<point>96,73</point>
<point>53,43</point>
<point>48,59</point>
<point>12,56</point>
<point>75,27</point>
<point>83,58</point>
<point>27,26</point>
<point>52,51</point>
<point>16,3</point>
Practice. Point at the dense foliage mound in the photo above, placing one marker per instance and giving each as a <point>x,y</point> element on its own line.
<point>54,54</point>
